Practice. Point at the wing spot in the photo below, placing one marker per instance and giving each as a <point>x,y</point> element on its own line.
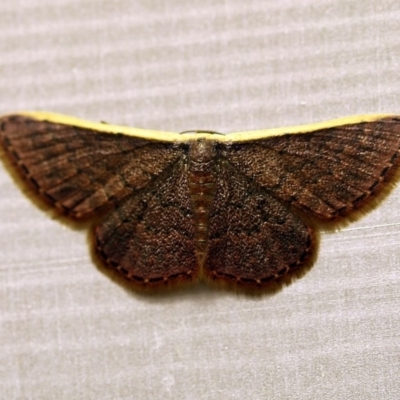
<point>267,279</point>
<point>155,280</point>
<point>385,170</point>
<point>393,159</point>
<point>14,154</point>
<point>23,167</point>
<point>62,208</point>
<point>375,184</point>
<point>123,270</point>
<point>34,183</point>
<point>50,198</point>
<point>341,210</point>
<point>282,272</point>
<point>138,279</point>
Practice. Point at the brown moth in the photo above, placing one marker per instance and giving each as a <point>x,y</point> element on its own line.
<point>174,208</point>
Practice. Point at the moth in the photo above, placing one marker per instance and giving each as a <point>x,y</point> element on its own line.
<point>169,208</point>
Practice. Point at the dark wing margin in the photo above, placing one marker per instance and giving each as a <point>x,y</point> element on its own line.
<point>78,170</point>
<point>327,172</point>
<point>253,238</point>
<point>150,238</point>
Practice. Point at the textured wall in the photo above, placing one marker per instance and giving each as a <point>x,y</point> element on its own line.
<point>67,331</point>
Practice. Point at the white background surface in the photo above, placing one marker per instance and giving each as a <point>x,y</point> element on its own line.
<point>67,331</point>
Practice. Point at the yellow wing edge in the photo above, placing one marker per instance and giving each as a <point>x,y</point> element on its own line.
<point>184,137</point>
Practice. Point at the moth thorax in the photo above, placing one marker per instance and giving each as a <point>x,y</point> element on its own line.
<point>201,181</point>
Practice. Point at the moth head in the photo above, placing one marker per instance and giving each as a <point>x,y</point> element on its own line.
<point>201,132</point>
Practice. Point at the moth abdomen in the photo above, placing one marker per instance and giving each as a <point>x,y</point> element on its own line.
<point>201,182</point>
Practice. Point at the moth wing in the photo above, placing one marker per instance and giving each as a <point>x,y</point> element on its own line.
<point>150,238</point>
<point>253,238</point>
<point>77,168</point>
<point>328,172</point>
